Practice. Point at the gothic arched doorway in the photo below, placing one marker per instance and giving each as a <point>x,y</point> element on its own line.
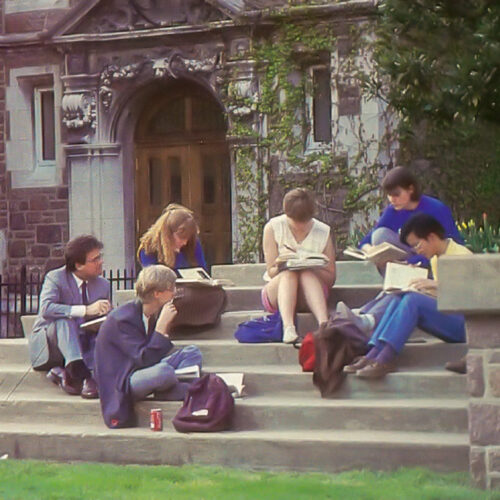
<point>182,157</point>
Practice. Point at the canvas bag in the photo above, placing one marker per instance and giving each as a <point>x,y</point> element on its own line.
<point>266,329</point>
<point>208,406</point>
<point>199,306</point>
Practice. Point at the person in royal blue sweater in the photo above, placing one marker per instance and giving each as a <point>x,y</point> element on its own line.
<point>172,240</point>
<point>405,199</point>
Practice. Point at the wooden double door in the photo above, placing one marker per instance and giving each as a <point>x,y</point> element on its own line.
<point>196,175</point>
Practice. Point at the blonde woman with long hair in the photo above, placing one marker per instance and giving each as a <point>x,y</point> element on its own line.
<point>172,240</point>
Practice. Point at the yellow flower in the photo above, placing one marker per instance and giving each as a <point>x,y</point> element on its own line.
<point>464,225</point>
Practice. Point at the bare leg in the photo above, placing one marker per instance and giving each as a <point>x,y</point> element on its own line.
<point>312,288</point>
<point>282,292</point>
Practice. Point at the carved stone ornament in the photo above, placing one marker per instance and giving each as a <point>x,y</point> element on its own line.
<point>114,73</point>
<point>113,16</point>
<point>244,101</point>
<point>177,64</point>
<point>174,65</point>
<point>78,111</point>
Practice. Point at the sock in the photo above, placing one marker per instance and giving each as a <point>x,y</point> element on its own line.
<point>368,321</point>
<point>387,354</point>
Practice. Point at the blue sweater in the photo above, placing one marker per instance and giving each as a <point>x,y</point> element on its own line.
<point>181,261</point>
<point>395,219</point>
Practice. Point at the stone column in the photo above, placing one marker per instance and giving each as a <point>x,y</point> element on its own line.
<point>471,285</point>
<point>97,198</point>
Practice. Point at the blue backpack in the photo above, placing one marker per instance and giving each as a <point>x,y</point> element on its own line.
<point>266,329</point>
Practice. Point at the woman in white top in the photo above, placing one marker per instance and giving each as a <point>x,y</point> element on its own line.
<point>297,230</point>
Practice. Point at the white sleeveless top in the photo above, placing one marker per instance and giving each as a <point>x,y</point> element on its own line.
<point>314,242</point>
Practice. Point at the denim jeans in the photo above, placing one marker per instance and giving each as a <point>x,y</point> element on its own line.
<point>416,309</point>
<point>161,376</point>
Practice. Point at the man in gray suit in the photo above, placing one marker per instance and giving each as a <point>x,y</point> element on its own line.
<point>70,295</point>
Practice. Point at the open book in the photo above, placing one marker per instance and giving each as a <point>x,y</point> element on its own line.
<point>398,277</point>
<point>234,382</point>
<point>300,260</point>
<point>93,325</point>
<point>198,276</point>
<point>378,254</point>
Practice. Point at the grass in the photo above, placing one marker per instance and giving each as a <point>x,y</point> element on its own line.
<point>29,480</point>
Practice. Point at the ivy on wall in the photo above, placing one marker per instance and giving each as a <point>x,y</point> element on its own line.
<point>271,129</point>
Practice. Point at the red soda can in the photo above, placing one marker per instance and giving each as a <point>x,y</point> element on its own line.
<point>156,419</point>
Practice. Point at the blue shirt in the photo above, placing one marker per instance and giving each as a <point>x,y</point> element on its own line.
<point>181,261</point>
<point>395,220</point>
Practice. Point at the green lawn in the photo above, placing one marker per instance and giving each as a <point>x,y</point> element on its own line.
<point>26,480</point>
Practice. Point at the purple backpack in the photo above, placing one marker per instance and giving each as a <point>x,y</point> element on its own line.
<point>208,406</point>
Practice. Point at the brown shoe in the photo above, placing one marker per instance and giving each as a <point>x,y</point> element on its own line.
<point>358,364</point>
<point>89,389</point>
<point>55,375</point>
<point>70,386</point>
<point>459,366</point>
<point>376,370</point>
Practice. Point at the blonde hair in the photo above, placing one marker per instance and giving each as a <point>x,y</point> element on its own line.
<point>157,278</point>
<point>159,238</point>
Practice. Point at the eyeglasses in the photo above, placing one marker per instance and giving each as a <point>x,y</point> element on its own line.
<point>96,259</point>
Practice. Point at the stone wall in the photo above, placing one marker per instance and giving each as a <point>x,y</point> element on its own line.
<point>37,227</point>
<point>471,285</point>
<point>483,362</point>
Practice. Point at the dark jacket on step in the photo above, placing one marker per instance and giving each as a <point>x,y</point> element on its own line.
<point>336,343</point>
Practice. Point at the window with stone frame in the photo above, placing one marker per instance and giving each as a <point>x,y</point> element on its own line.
<point>44,125</point>
<point>319,106</point>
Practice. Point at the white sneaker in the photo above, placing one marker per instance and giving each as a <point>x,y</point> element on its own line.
<point>290,335</point>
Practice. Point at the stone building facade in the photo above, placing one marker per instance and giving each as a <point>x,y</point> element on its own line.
<point>110,109</point>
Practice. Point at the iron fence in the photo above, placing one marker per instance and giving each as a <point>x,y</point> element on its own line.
<point>19,296</point>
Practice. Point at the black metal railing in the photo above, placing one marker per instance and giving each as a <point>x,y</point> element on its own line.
<point>19,295</point>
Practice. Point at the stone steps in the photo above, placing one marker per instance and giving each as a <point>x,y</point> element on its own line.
<point>227,351</point>
<point>286,379</point>
<point>247,298</point>
<point>354,272</point>
<point>304,450</point>
<point>263,412</point>
<point>415,417</point>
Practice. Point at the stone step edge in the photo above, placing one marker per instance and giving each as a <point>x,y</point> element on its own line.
<point>282,369</point>
<point>348,436</point>
<point>287,401</point>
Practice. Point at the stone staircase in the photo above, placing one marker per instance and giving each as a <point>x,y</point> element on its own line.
<point>415,417</point>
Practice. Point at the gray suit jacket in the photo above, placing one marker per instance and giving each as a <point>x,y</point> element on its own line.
<point>59,293</point>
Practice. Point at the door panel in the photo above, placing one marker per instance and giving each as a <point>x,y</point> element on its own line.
<point>194,175</point>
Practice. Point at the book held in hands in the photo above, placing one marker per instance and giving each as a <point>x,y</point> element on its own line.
<point>197,276</point>
<point>378,254</point>
<point>295,261</point>
<point>93,325</point>
<point>399,276</point>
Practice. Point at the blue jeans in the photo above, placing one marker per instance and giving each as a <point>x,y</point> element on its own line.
<point>415,309</point>
<point>161,376</point>
<point>377,306</point>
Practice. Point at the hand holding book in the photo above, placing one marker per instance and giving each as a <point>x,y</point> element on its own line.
<point>300,260</point>
<point>424,285</point>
